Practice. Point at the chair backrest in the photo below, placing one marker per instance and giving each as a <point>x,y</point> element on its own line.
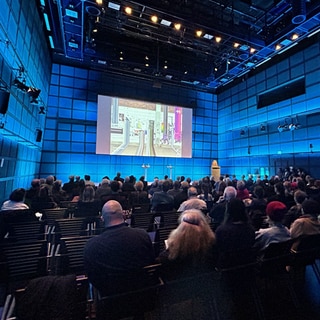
<point>68,257</point>
<point>142,220</point>
<point>275,258</point>
<point>71,227</point>
<point>21,261</point>
<point>22,231</point>
<point>306,249</point>
<point>50,215</point>
<point>138,292</point>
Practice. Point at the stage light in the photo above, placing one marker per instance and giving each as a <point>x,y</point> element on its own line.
<point>33,93</point>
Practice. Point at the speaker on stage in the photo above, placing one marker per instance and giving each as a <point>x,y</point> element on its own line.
<point>39,135</point>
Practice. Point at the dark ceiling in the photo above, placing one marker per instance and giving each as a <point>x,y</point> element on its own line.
<point>105,37</point>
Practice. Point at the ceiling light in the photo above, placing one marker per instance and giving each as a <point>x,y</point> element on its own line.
<point>166,23</point>
<point>295,36</point>
<point>218,39</point>
<point>278,47</point>
<point>128,10</point>
<point>177,26</point>
<point>199,33</point>
<point>244,47</point>
<point>154,19</point>
<point>252,50</point>
<point>99,2</point>
<point>114,6</point>
<point>236,45</point>
<point>51,42</point>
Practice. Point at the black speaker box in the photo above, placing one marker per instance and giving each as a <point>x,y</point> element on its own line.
<point>4,101</point>
<point>39,135</point>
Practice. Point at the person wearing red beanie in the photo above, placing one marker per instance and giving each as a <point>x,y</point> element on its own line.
<point>276,232</point>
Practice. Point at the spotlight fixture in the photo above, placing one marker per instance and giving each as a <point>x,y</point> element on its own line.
<point>33,93</point>
<point>42,110</point>
<point>20,84</point>
<point>263,127</point>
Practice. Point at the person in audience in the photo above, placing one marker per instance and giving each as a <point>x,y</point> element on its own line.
<point>58,194</point>
<point>161,199</point>
<point>128,184</point>
<point>43,200</point>
<point>115,194</point>
<point>236,237</point>
<point>88,205</point>
<point>242,191</point>
<point>308,223</point>
<point>118,177</point>
<point>32,192</point>
<point>16,201</point>
<point>155,186</point>
<point>103,189</point>
<point>118,248</point>
<point>49,183</point>
<point>183,195</point>
<point>296,210</point>
<point>87,181</point>
<point>218,210</point>
<point>69,186</point>
<point>139,196</point>
<point>205,194</point>
<point>145,183</point>
<point>193,202</point>
<point>276,232</point>
<point>189,248</point>
<point>256,207</point>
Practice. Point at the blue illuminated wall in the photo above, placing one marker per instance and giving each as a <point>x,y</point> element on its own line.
<point>244,148</point>
<point>70,135</point>
<point>22,43</point>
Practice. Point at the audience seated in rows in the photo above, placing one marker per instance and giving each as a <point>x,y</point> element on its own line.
<point>139,196</point>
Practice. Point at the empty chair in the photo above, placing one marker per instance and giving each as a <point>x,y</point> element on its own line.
<point>71,227</point>
<point>22,231</point>
<point>50,215</point>
<point>22,261</point>
<point>68,256</point>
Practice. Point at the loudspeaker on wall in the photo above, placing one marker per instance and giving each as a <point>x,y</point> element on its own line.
<point>39,135</point>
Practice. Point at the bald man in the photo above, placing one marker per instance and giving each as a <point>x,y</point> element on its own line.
<point>118,248</point>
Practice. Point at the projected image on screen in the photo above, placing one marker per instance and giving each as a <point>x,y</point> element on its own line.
<point>132,127</point>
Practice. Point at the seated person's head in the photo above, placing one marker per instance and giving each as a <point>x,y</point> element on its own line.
<point>139,185</point>
<point>115,186</point>
<point>300,196</point>
<point>258,191</point>
<point>192,192</point>
<point>311,207</point>
<point>241,185</point>
<point>49,180</point>
<point>229,193</point>
<point>192,238</point>
<point>112,213</point>
<point>276,211</point>
<point>17,195</point>
<point>87,177</point>
<point>165,185</point>
<point>35,183</point>
<point>88,194</point>
<point>237,211</point>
